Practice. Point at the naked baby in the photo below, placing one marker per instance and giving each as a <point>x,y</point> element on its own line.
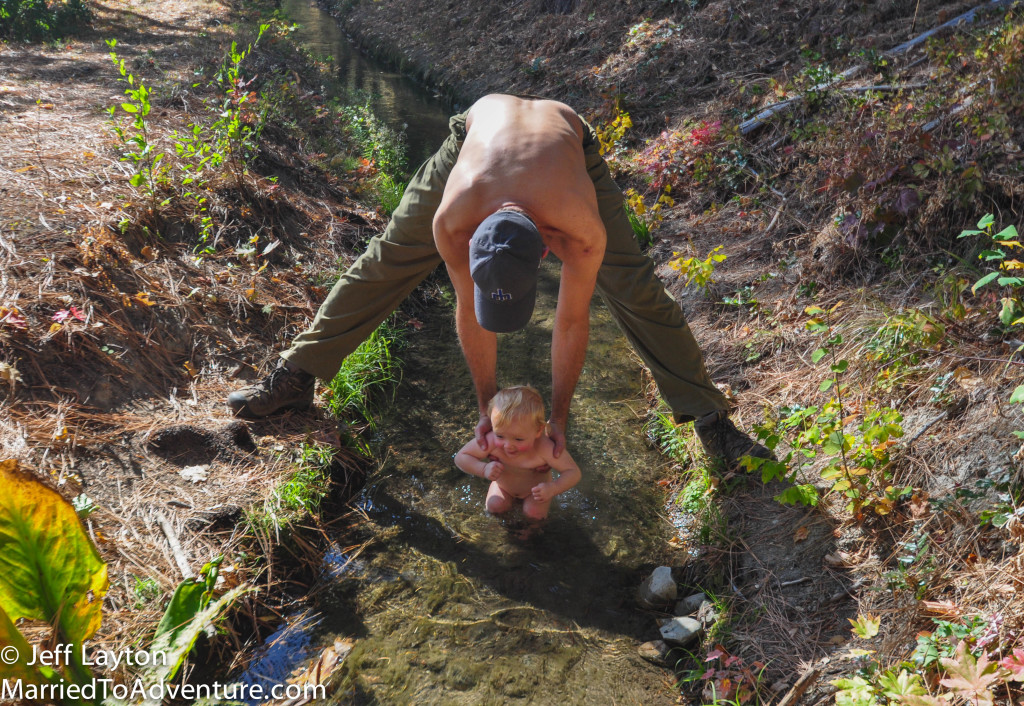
<point>518,457</point>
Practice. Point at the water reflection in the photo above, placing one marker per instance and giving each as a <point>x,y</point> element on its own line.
<point>398,100</point>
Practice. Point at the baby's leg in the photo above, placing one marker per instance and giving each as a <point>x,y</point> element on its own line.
<point>534,509</point>
<point>498,501</point>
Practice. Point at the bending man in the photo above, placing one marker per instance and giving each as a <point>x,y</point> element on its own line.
<point>514,178</point>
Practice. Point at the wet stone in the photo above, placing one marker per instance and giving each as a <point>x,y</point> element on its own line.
<point>681,631</point>
<point>659,589</point>
<point>655,652</point>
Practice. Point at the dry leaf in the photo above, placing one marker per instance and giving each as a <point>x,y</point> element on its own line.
<point>800,534</point>
<point>195,474</point>
<point>143,298</point>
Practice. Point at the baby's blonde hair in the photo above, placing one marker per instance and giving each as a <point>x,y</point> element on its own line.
<point>518,402</point>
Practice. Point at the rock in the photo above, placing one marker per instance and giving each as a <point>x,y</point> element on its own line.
<point>681,631</point>
<point>655,652</point>
<point>690,604</point>
<point>658,590</point>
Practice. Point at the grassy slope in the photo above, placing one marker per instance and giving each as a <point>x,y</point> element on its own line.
<point>851,199</point>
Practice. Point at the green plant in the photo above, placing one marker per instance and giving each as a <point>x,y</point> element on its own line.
<point>379,144</point>
<point>697,271</point>
<point>238,127</point>
<point>389,192</point>
<point>641,230</point>
<point>146,591</point>
<point>858,464</point>
<point>152,170</point>
<point>298,496</point>
<point>368,368</point>
<point>998,251</point>
<point>39,19</point>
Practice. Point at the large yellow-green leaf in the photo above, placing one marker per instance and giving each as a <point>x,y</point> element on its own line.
<point>15,653</point>
<point>49,570</point>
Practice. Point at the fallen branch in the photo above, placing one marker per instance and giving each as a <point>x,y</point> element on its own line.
<point>172,539</point>
<point>798,689</point>
<point>751,124</point>
<point>884,88</point>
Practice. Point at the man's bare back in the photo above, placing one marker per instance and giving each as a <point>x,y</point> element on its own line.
<point>526,154</point>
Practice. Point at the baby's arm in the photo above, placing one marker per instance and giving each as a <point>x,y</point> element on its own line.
<point>568,474</point>
<point>475,462</point>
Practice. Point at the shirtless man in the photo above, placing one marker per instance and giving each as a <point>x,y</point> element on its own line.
<point>514,174</point>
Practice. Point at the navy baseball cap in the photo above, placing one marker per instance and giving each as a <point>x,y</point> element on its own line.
<point>504,254</point>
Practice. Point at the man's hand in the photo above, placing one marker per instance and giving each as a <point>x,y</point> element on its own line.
<point>543,492</point>
<point>482,428</point>
<point>493,470</point>
<point>556,434</point>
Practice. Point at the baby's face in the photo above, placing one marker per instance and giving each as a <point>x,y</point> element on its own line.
<point>515,436</point>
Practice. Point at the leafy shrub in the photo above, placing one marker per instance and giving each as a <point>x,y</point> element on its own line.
<point>39,19</point>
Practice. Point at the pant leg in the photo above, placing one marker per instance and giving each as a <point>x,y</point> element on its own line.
<point>644,310</point>
<point>393,264</point>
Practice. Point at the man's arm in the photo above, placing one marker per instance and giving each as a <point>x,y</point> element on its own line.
<point>570,336</point>
<point>479,346</point>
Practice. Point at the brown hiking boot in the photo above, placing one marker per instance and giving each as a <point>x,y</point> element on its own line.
<point>721,439</point>
<point>287,387</point>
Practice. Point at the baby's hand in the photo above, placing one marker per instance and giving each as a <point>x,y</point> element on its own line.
<point>543,492</point>
<point>493,470</point>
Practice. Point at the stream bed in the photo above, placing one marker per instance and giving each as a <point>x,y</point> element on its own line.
<point>446,604</point>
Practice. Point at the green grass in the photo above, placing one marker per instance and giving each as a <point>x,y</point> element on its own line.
<point>300,495</point>
<point>367,371</point>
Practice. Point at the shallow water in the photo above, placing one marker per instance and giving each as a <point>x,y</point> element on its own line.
<point>453,607</point>
<point>397,99</point>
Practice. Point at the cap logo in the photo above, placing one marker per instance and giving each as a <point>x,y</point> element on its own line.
<point>500,296</point>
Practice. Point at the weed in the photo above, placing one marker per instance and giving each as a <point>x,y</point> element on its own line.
<point>728,681</point>
<point>238,127</point>
<point>377,142</point>
<point>389,192</point>
<point>998,250</point>
<point>152,170</point>
<point>300,495</point>
<point>146,591</point>
<point>641,230</point>
<point>609,136</point>
<point>697,271</point>
<point>859,464</point>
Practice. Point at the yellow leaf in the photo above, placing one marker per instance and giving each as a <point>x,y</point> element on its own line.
<point>55,327</point>
<point>866,626</point>
<point>24,169</point>
<point>143,298</point>
<point>250,293</point>
<point>39,528</point>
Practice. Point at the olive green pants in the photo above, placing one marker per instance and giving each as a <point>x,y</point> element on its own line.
<point>399,259</point>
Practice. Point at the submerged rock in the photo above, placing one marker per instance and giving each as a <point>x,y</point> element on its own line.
<point>681,631</point>
<point>658,590</point>
<point>655,652</point>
